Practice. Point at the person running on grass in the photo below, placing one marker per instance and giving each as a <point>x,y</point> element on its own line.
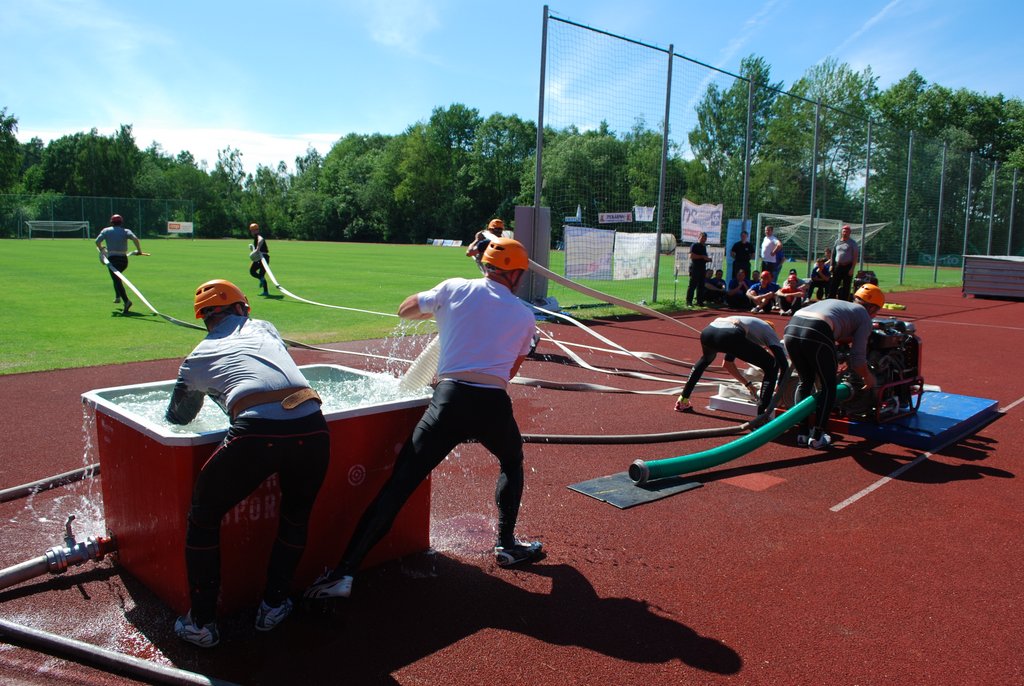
<point>485,334</point>
<point>276,428</point>
<point>258,251</point>
<point>115,248</point>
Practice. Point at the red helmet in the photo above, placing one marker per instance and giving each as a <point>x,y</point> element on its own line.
<point>218,293</point>
<point>116,219</point>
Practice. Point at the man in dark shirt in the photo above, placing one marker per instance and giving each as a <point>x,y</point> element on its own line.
<point>698,264</point>
<point>741,252</point>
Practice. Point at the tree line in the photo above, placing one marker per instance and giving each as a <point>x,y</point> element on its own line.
<point>446,176</point>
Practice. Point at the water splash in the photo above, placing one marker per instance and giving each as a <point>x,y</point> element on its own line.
<point>339,391</point>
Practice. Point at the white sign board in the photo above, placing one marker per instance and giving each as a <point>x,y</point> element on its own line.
<point>588,252</point>
<point>701,218</point>
<point>179,227</point>
<point>614,217</point>
<point>643,214</point>
<point>634,255</point>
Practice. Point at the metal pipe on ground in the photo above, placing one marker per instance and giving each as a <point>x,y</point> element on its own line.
<point>640,472</point>
<point>57,559</point>
<point>107,660</point>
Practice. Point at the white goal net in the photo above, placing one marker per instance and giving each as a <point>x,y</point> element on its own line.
<point>51,228</point>
<point>800,237</point>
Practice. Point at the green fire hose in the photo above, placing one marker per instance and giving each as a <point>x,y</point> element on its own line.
<point>640,472</point>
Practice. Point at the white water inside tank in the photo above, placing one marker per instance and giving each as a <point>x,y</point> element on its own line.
<point>339,392</point>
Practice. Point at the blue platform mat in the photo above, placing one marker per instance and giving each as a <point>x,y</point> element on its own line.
<point>941,419</point>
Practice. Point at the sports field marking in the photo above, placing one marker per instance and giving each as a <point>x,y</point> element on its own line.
<point>920,458</point>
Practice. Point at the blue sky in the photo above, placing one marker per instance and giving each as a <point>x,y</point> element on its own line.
<point>271,79</point>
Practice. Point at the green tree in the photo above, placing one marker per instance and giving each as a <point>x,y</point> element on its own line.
<point>501,146</point>
<point>434,174</point>
<point>222,214</point>
<point>264,200</point>
<point>719,141</point>
<point>10,151</point>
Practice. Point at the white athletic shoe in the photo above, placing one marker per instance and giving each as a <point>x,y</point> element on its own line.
<point>325,588</point>
<point>205,636</point>
<point>821,441</point>
<point>268,617</point>
<point>518,552</point>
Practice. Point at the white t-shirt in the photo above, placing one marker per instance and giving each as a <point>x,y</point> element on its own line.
<point>768,248</point>
<point>483,326</point>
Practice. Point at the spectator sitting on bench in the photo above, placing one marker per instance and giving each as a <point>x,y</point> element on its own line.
<point>792,294</point>
<point>736,293</point>
<point>820,277</point>
<point>762,294</point>
<point>714,288</point>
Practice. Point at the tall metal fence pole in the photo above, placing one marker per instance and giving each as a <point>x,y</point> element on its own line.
<point>540,138</point>
<point>812,235</point>
<point>864,212</point>
<point>746,156</point>
<point>938,219</point>
<point>1013,205</point>
<point>662,174</point>
<point>906,209</point>
<point>992,208</point>
<point>967,213</point>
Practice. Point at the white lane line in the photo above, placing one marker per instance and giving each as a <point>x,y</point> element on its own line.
<point>881,482</point>
<point>920,458</point>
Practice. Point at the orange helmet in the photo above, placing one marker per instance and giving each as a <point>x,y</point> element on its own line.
<point>506,254</point>
<point>254,226</point>
<point>496,224</point>
<point>871,294</point>
<point>218,293</point>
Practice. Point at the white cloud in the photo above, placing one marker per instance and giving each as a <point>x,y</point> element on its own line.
<point>399,24</point>
<point>751,26</point>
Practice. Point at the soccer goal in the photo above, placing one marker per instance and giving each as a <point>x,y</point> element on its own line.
<point>36,226</point>
<point>806,240</point>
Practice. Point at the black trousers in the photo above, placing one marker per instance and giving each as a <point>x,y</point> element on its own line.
<point>120,263</point>
<point>257,271</point>
<point>298,451</point>
<point>842,279</point>
<point>696,285</point>
<point>812,350</point>
<point>457,413</point>
<point>733,341</point>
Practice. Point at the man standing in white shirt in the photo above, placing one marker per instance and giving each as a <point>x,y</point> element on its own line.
<point>485,334</point>
<point>770,248</point>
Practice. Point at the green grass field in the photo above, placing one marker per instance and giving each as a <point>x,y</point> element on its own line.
<point>57,310</point>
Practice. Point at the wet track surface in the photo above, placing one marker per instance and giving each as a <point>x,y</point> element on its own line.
<point>754,578</point>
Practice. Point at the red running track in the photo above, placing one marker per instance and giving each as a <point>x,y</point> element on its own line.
<point>759,577</point>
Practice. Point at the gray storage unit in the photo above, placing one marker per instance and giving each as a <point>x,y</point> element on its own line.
<point>1000,277</point>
